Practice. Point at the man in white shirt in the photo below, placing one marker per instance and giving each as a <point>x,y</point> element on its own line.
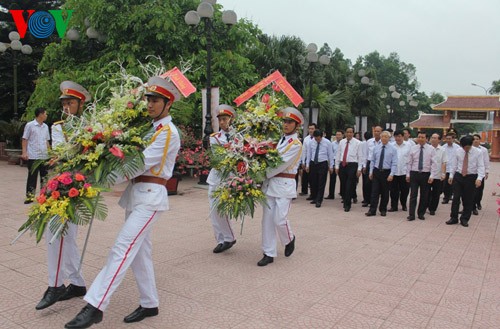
<point>466,176</point>
<point>486,159</point>
<point>319,162</point>
<point>339,135</point>
<point>348,165</point>
<point>439,176</point>
<point>35,146</point>
<point>451,148</point>
<point>304,183</point>
<point>407,136</point>
<point>399,186</point>
<point>368,148</point>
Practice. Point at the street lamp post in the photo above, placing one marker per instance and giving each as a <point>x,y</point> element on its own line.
<point>205,12</point>
<point>366,82</point>
<point>312,58</point>
<point>15,45</point>
<point>413,103</point>
<point>486,90</point>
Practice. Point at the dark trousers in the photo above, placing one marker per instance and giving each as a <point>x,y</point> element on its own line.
<point>400,189</point>
<point>419,181</point>
<point>463,189</point>
<point>33,175</point>
<point>333,182</point>
<point>305,182</point>
<point>347,176</point>
<point>317,178</point>
<point>380,188</point>
<point>367,185</point>
<point>478,196</point>
<point>434,193</point>
<point>447,188</point>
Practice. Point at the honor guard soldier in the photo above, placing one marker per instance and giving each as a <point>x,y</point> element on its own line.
<point>63,256</point>
<point>279,188</point>
<point>222,226</point>
<point>144,200</point>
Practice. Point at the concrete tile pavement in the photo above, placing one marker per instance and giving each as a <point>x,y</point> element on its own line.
<point>348,270</point>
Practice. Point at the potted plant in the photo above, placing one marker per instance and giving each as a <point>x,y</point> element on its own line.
<point>12,133</point>
<point>192,157</point>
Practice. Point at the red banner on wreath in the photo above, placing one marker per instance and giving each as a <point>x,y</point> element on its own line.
<point>280,81</point>
<point>180,81</point>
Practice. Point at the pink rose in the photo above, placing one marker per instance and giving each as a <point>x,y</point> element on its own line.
<point>265,98</point>
<point>116,133</point>
<point>65,178</point>
<point>130,105</point>
<point>117,152</point>
<point>73,192</point>
<point>52,185</point>
<point>86,185</point>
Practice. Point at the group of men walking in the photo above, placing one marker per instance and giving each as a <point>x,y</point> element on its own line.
<point>393,167</point>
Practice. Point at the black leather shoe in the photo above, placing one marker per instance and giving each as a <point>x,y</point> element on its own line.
<point>87,317</point>
<point>50,297</point>
<point>404,208</point>
<point>265,260</point>
<point>432,212</point>
<point>218,248</point>
<point>290,247</point>
<point>392,209</point>
<point>318,204</point>
<point>302,193</point>
<point>464,224</point>
<point>312,202</point>
<point>421,217</point>
<point>383,213</point>
<point>28,201</point>
<point>309,198</point>
<point>330,197</point>
<point>451,221</point>
<point>410,218</point>
<point>347,209</point>
<point>227,245</point>
<point>364,204</point>
<point>140,313</point>
<point>369,214</point>
<point>475,212</point>
<point>479,207</point>
<point>445,201</point>
<point>73,291</point>
<point>355,200</point>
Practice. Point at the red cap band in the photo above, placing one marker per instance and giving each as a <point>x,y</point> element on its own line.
<point>162,91</point>
<point>74,93</point>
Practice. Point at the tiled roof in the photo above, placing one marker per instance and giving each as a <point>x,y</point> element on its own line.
<point>469,103</point>
<point>426,120</point>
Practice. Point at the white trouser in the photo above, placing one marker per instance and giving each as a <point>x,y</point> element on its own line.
<point>275,219</point>
<point>222,226</point>
<point>132,248</point>
<point>63,258</point>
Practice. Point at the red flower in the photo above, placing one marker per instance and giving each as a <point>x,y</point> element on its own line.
<point>98,136</point>
<point>79,177</point>
<point>241,167</point>
<point>116,133</point>
<point>89,129</point>
<point>265,98</point>
<point>130,105</point>
<point>41,199</point>
<point>276,88</point>
<point>65,178</point>
<point>52,184</point>
<point>86,185</point>
<point>43,190</point>
<point>73,192</point>
<point>117,152</point>
<point>55,195</point>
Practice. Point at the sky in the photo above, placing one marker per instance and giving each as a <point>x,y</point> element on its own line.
<point>452,43</point>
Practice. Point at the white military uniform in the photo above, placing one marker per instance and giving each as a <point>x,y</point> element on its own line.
<point>222,225</point>
<point>280,191</point>
<point>143,203</point>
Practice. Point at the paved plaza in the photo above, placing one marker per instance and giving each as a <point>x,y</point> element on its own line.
<point>348,270</point>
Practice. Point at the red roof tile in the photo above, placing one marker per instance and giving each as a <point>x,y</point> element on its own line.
<point>469,103</point>
<point>426,120</point>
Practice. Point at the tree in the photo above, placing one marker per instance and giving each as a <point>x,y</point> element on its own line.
<point>495,87</point>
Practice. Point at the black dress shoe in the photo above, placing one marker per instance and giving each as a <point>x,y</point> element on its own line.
<point>87,317</point>
<point>369,214</point>
<point>355,200</point>
<point>301,193</point>
<point>432,212</point>
<point>392,209</point>
<point>218,248</point>
<point>445,201</point>
<point>479,207</point>
<point>464,224</point>
<point>410,218</point>
<point>475,212</point>
<point>383,213</point>
<point>50,297</point>
<point>140,313</point>
<point>28,201</point>
<point>227,245</point>
<point>451,221</point>
<point>364,204</point>
<point>312,202</point>
<point>347,209</point>
<point>318,204</point>
<point>73,291</point>
<point>265,260</point>
<point>404,208</point>
<point>309,198</point>
<point>290,247</point>
<point>421,217</point>
<point>330,197</point>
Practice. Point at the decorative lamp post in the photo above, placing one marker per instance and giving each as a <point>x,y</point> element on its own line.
<point>365,81</point>
<point>394,96</point>
<point>312,58</point>
<point>15,45</point>
<point>205,13</point>
<point>413,103</point>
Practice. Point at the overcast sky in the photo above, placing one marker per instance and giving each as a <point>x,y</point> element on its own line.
<point>452,43</point>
